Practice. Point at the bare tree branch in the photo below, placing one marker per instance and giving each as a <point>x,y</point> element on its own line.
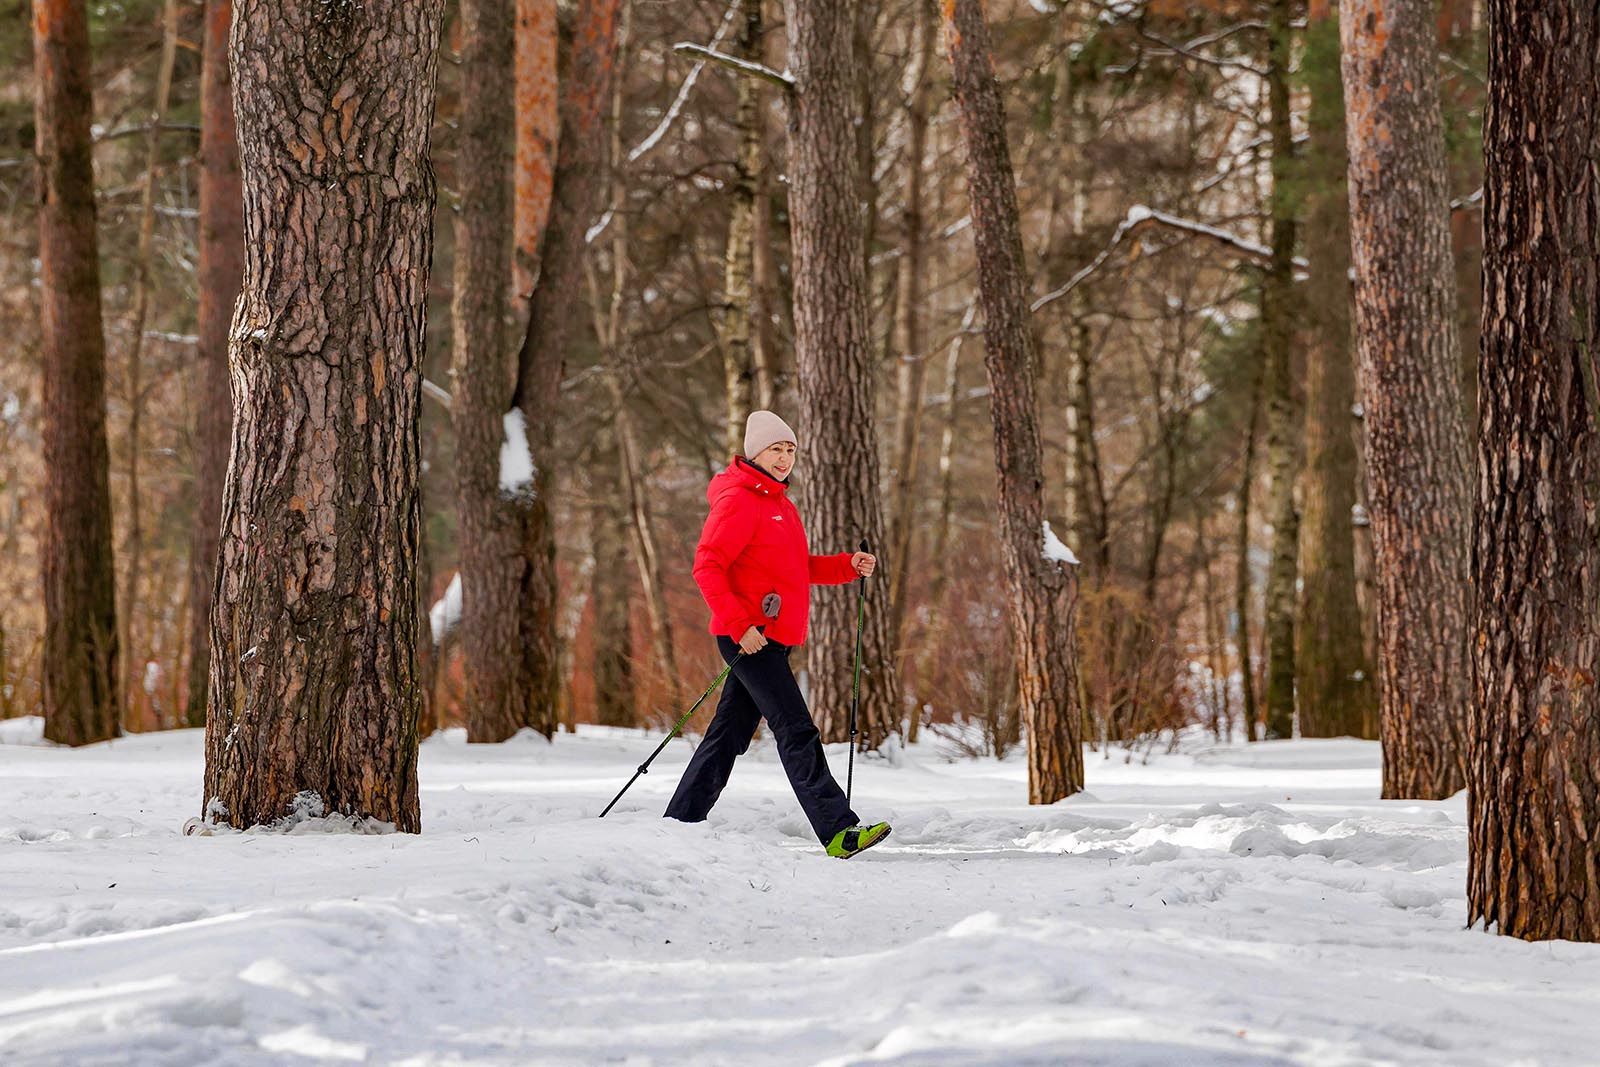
<point>738,66</point>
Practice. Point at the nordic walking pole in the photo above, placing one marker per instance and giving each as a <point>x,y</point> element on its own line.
<point>644,768</point>
<point>855,695</point>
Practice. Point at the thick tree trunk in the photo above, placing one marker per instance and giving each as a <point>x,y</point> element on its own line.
<point>220,270</point>
<point>1533,866</point>
<point>1284,415</point>
<point>491,568</point>
<point>1418,464</point>
<point>1040,591</point>
<point>538,122</point>
<point>738,347</point>
<point>839,482</point>
<point>81,698</point>
<point>910,333</point>
<point>313,702</point>
<point>1334,689</point>
<point>543,353</point>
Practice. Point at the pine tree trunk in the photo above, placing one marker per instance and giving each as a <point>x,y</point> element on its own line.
<point>1284,416</point>
<point>911,340</point>
<point>220,269</point>
<point>833,349</point>
<point>738,349</point>
<point>491,569</point>
<point>538,122</point>
<point>1334,691</point>
<point>1040,592</point>
<point>1533,866</point>
<point>313,696</point>
<point>543,354</point>
<point>82,703</point>
<point>1418,464</point>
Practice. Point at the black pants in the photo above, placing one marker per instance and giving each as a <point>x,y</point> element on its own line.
<point>763,687</point>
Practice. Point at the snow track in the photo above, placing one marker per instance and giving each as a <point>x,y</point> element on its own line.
<point>1231,905</point>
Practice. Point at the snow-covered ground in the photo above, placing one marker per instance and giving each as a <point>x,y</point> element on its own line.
<point>1250,905</point>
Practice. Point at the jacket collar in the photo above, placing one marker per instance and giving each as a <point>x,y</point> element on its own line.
<point>753,477</point>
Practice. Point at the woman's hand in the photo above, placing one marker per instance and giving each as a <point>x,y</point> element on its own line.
<point>753,641</point>
<point>864,563</point>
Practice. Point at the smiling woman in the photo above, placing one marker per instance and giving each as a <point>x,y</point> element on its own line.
<point>755,570</point>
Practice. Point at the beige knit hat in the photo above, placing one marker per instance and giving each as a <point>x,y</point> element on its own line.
<point>762,430</point>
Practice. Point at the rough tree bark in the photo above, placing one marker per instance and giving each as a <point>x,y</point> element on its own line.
<point>543,353</point>
<point>1533,866</point>
<point>484,228</point>
<point>538,121</point>
<point>81,698</point>
<point>833,350</point>
<point>1334,687</point>
<point>1284,415</point>
<point>1417,458</point>
<point>313,697</point>
<point>220,269</point>
<point>1039,591</point>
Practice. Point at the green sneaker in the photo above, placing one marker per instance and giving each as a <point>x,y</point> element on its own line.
<point>854,839</point>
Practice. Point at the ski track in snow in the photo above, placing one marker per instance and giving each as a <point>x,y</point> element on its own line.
<point>1234,905</point>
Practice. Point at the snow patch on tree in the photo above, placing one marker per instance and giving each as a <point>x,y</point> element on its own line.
<point>445,615</point>
<point>516,462</point>
<point>1054,550</point>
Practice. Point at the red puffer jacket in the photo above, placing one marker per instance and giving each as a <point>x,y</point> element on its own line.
<point>753,545</point>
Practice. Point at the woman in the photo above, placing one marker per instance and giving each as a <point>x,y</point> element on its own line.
<point>755,570</point>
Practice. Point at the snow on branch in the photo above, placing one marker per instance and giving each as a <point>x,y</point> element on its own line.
<point>1139,216</point>
<point>683,90</point>
<point>737,65</point>
<point>1191,51</point>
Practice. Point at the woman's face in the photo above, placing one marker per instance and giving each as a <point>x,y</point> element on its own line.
<point>777,460</point>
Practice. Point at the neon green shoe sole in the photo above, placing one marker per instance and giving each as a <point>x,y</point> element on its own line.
<point>856,839</point>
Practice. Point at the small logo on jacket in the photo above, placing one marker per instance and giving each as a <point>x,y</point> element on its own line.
<point>777,518</point>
